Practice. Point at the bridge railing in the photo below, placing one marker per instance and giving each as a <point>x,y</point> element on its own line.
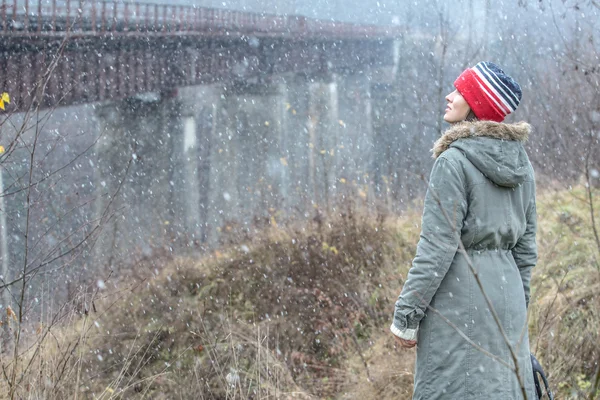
<point>47,17</point>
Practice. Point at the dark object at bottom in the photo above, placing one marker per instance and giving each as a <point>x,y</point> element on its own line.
<point>538,372</point>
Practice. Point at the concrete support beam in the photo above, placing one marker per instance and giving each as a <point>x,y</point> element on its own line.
<point>356,140</point>
<point>200,122</point>
<point>140,133</point>
<point>298,190</point>
<point>311,134</point>
<point>323,130</point>
<point>247,166</point>
<point>215,160</point>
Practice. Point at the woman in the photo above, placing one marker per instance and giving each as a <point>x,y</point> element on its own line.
<point>481,193</point>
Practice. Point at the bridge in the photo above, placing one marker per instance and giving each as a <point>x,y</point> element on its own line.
<point>113,50</point>
<point>228,119</point>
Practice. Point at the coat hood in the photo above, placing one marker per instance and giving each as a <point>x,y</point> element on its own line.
<point>494,148</point>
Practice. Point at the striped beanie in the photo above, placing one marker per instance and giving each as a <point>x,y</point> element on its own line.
<point>490,93</point>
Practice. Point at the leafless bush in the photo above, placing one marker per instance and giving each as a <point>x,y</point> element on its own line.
<point>46,230</point>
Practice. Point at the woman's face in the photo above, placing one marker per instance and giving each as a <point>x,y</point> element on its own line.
<point>457,109</point>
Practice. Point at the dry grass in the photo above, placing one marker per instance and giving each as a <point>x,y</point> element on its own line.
<point>564,317</point>
<point>391,371</point>
<point>277,316</point>
<point>304,313</point>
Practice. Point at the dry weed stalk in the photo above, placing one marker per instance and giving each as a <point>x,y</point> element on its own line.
<point>26,351</point>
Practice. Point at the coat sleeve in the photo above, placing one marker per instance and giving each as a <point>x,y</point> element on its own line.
<point>525,252</point>
<point>437,246</point>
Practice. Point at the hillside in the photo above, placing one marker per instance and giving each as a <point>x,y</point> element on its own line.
<point>304,312</point>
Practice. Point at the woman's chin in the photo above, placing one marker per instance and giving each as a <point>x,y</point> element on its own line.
<point>452,119</point>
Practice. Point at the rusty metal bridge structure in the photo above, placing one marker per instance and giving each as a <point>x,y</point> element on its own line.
<point>87,51</point>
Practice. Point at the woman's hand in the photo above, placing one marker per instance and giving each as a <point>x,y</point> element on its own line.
<point>407,344</point>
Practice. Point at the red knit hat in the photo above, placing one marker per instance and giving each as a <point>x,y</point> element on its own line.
<point>490,93</point>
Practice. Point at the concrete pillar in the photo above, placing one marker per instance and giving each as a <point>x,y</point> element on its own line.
<point>333,135</point>
<point>200,114</point>
<point>217,160</point>
<point>5,297</point>
<point>323,123</point>
<point>298,189</point>
<point>140,205</point>
<point>356,141</point>
<point>247,162</point>
<point>311,133</point>
<point>189,176</point>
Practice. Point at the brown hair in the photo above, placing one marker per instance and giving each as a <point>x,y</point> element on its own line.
<point>471,116</point>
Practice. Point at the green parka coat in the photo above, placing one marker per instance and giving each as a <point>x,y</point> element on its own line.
<point>482,193</point>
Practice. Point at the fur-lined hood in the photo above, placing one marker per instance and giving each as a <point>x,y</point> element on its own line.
<point>497,130</point>
<point>496,149</point>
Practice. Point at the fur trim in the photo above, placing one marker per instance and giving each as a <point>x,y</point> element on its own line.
<point>498,130</point>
